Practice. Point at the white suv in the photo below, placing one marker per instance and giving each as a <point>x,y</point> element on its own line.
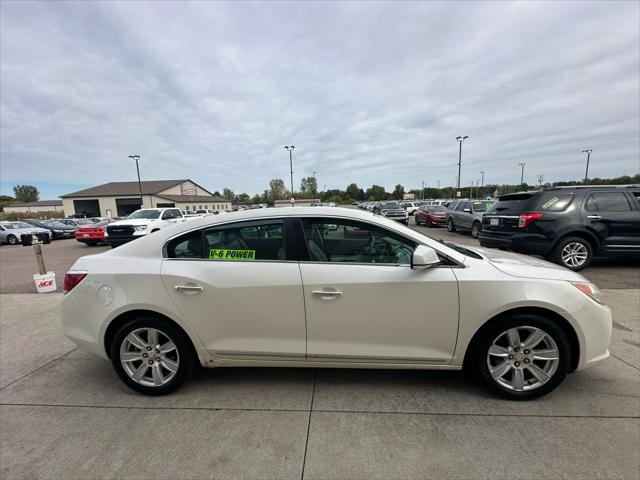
<point>140,223</point>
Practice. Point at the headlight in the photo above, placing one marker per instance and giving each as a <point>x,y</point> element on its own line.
<point>590,290</point>
<point>140,228</point>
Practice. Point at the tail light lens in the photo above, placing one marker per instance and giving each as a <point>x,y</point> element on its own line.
<point>71,279</point>
<point>526,218</point>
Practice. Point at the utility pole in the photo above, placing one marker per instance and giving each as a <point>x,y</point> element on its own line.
<point>460,140</point>
<point>540,180</point>
<point>482,184</point>
<point>586,173</point>
<point>522,174</point>
<point>422,191</point>
<point>290,149</point>
<point>136,158</point>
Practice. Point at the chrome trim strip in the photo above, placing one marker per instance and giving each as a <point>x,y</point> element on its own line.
<point>356,358</point>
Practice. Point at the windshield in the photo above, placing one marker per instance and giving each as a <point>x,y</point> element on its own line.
<point>148,214</point>
<point>16,225</point>
<point>437,209</point>
<point>390,206</point>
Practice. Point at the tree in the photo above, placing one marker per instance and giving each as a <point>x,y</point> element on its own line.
<point>217,193</point>
<point>376,192</point>
<point>309,185</point>
<point>398,192</point>
<point>26,193</point>
<point>277,190</point>
<point>354,192</point>
<point>228,194</point>
<point>243,199</point>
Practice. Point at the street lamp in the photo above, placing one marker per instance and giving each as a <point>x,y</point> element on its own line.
<point>290,150</point>
<point>136,158</point>
<point>460,140</point>
<point>522,173</point>
<point>586,173</point>
<point>482,184</point>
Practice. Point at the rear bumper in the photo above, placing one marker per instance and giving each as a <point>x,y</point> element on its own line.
<point>521,243</point>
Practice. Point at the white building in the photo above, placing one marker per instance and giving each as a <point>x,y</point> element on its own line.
<point>119,199</point>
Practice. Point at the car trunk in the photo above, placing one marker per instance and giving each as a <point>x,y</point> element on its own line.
<point>505,213</point>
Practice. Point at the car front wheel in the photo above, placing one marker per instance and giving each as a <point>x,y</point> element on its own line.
<point>12,240</point>
<point>521,357</point>
<point>574,253</point>
<point>151,356</point>
<point>451,227</point>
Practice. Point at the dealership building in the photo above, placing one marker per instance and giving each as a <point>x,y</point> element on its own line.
<point>119,199</point>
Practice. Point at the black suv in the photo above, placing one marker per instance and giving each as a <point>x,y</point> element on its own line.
<point>568,225</point>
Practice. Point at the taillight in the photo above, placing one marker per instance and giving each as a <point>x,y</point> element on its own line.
<point>526,218</point>
<point>71,279</point>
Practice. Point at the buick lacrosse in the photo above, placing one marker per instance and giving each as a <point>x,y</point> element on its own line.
<point>330,287</point>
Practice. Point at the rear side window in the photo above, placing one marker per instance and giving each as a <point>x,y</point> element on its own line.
<point>248,242</point>
<point>550,202</point>
<point>608,202</point>
<point>185,246</point>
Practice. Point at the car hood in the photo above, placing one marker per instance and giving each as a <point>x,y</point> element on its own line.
<point>525,266</point>
<point>135,221</point>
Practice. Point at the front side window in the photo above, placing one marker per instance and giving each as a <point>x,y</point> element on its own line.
<point>461,206</point>
<point>608,202</point>
<point>342,240</point>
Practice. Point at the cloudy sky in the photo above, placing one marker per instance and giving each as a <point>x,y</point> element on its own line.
<point>369,92</point>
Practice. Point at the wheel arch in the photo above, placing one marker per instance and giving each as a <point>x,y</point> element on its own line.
<point>540,311</point>
<point>584,234</point>
<point>125,317</point>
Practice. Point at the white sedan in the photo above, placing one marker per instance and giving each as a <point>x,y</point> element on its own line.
<point>330,287</point>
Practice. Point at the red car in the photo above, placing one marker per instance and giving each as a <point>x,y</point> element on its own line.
<point>91,234</point>
<point>431,215</point>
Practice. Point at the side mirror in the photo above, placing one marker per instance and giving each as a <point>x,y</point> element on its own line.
<point>468,210</point>
<point>424,257</point>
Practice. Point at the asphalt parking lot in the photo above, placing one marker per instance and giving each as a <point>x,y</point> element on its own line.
<point>65,414</point>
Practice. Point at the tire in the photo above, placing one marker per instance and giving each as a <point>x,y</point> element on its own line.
<point>476,228</point>
<point>416,220</point>
<point>12,240</point>
<point>451,226</point>
<point>174,366</point>
<point>554,342</point>
<point>406,222</point>
<point>429,224</point>
<point>574,253</point>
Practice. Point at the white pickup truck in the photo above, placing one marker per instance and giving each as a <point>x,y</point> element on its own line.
<point>141,223</point>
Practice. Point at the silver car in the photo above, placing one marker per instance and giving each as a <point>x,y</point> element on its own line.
<point>467,215</point>
<point>10,232</point>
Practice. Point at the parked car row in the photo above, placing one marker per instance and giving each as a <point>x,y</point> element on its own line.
<point>567,225</point>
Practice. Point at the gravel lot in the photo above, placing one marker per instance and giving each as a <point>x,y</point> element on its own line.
<point>65,414</point>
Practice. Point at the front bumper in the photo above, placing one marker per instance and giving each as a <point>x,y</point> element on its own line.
<point>596,326</point>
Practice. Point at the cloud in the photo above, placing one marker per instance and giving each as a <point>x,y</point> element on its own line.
<point>368,92</point>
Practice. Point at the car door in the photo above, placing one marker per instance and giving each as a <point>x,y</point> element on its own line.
<point>240,289</point>
<point>365,303</point>
<point>615,219</point>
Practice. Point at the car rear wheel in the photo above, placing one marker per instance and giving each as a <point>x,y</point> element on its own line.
<point>574,253</point>
<point>521,357</point>
<point>151,356</point>
<point>476,228</point>
<point>451,227</point>
<point>12,240</point>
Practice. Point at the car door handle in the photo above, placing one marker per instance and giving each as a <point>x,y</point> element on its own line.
<point>187,289</point>
<point>327,293</point>
<point>594,217</point>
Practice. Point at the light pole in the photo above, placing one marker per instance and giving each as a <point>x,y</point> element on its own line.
<point>482,184</point>
<point>460,140</point>
<point>522,173</point>
<point>438,184</point>
<point>136,158</point>
<point>586,173</point>
<point>422,191</point>
<point>290,150</point>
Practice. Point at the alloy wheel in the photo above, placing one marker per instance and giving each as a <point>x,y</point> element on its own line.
<point>574,254</point>
<point>12,240</point>
<point>149,357</point>
<point>523,358</point>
